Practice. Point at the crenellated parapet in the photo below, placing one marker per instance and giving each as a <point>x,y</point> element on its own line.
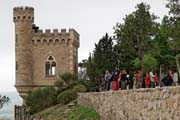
<point>55,37</point>
<point>23,14</point>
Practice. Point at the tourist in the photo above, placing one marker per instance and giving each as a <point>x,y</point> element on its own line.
<point>147,80</point>
<point>134,81</point>
<point>168,80</point>
<point>119,79</point>
<point>115,83</point>
<point>175,78</point>
<point>124,80</point>
<point>139,79</point>
<point>108,77</point>
<point>152,79</point>
<point>156,79</point>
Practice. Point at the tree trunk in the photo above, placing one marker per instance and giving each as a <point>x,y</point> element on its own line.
<point>177,63</point>
<point>160,72</point>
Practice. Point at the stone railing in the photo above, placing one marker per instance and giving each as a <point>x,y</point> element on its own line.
<point>139,104</point>
<point>20,113</point>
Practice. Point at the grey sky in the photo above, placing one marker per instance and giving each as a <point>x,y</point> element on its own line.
<point>91,18</point>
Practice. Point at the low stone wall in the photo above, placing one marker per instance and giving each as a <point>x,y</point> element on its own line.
<point>139,104</point>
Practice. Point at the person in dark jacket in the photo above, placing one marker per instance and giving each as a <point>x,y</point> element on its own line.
<point>167,81</point>
<point>124,80</point>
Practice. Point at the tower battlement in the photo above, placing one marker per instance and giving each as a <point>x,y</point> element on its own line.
<point>55,36</point>
<point>56,32</point>
<point>23,13</point>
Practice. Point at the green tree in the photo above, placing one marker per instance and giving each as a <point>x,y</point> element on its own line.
<point>150,62</point>
<point>174,12</point>
<point>91,68</point>
<point>104,54</point>
<point>3,100</point>
<point>40,99</point>
<point>135,36</point>
<point>162,49</point>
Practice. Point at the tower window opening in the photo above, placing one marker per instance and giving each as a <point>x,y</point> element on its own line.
<point>57,40</point>
<point>50,67</point>
<point>48,70</point>
<point>50,58</point>
<point>16,65</point>
<point>53,68</point>
<point>50,40</point>
<point>24,17</point>
<point>44,41</point>
<point>16,38</point>
<point>63,41</point>
<point>38,41</point>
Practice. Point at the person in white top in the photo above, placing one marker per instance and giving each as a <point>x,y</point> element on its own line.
<point>152,79</point>
<point>175,78</point>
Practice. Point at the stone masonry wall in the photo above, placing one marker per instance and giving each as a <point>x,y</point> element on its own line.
<point>139,104</point>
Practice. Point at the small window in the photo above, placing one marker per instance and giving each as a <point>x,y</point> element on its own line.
<point>63,41</point>
<point>50,67</point>
<point>16,38</point>
<point>53,68</point>
<point>57,40</point>
<point>29,17</point>
<point>50,40</point>
<point>48,70</point>
<point>44,41</point>
<point>16,65</point>
<point>38,41</point>
<point>24,17</point>
<point>50,58</point>
<point>18,17</point>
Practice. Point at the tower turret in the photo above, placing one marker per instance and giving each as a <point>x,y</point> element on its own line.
<point>23,19</point>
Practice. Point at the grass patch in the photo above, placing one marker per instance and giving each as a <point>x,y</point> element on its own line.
<point>64,112</point>
<point>83,113</point>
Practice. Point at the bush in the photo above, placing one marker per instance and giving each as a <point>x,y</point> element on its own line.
<point>66,96</point>
<point>79,89</point>
<point>60,85</point>
<point>40,99</point>
<point>68,77</point>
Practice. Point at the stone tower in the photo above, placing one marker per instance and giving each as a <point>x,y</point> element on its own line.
<point>41,56</point>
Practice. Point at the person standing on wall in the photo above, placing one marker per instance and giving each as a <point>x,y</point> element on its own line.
<point>152,79</point>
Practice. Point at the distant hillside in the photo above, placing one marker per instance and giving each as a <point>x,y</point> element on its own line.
<point>7,112</point>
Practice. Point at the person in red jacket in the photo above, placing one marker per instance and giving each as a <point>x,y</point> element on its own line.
<point>156,79</point>
<point>147,80</point>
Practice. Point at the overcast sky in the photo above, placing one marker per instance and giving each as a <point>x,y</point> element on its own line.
<point>90,18</point>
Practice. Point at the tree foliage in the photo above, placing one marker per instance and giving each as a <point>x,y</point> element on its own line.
<point>135,35</point>
<point>104,54</point>
<point>3,100</point>
<point>40,99</point>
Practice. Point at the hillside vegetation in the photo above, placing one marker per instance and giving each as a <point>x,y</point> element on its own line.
<point>68,112</point>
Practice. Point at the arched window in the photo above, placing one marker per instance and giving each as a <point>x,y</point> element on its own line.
<point>50,67</point>
<point>53,68</point>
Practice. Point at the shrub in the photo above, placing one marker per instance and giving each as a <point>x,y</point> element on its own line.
<point>40,99</point>
<point>3,100</point>
<point>66,96</point>
<point>68,77</point>
<point>79,89</point>
<point>60,85</point>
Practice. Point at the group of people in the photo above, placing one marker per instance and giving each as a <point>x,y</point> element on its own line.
<point>121,80</point>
